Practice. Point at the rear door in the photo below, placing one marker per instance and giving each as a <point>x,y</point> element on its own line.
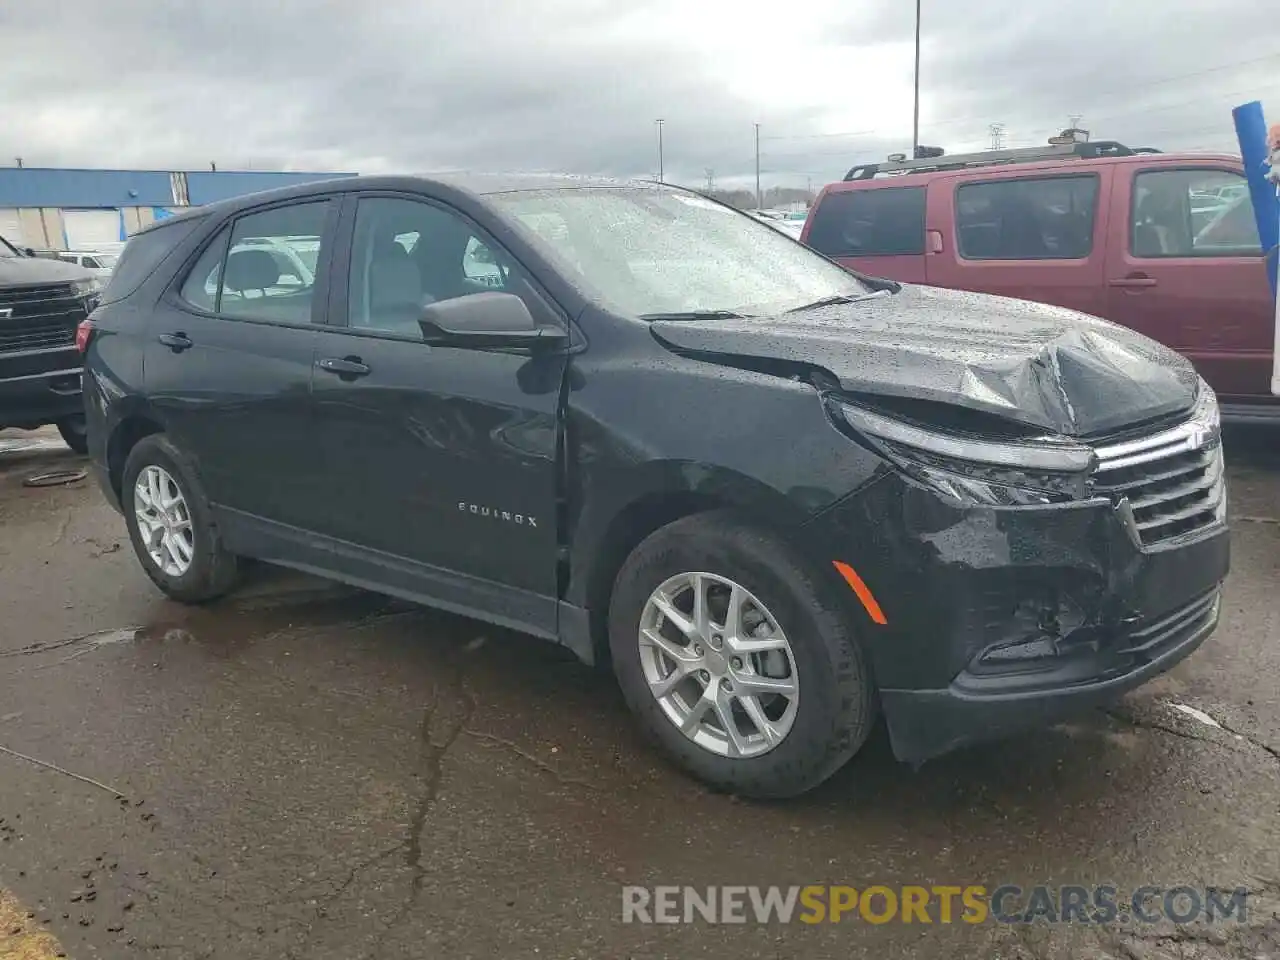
<point>876,228</point>
<point>229,360</point>
<point>1185,267</point>
<point>1034,236</point>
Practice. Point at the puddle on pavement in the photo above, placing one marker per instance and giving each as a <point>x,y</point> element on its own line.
<point>228,627</point>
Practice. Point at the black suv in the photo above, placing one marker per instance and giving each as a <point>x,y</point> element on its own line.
<point>42,303</point>
<point>778,496</point>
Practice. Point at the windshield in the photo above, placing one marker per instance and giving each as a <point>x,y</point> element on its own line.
<point>656,251</point>
<point>107,260</point>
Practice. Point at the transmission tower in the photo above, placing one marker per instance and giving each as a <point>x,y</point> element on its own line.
<point>997,136</point>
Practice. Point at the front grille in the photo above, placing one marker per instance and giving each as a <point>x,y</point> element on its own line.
<point>1173,481</point>
<point>39,316</point>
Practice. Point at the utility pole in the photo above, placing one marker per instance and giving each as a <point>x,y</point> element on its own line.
<point>759,200</point>
<point>659,124</point>
<point>915,120</point>
<point>997,135</point>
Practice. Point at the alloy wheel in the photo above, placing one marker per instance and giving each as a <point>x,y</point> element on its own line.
<point>164,520</point>
<point>719,665</point>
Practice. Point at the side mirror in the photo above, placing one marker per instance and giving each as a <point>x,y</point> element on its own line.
<point>485,320</point>
<point>29,251</point>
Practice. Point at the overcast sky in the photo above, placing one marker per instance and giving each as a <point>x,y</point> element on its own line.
<point>576,85</point>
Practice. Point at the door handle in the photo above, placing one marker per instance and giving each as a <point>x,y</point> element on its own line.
<point>177,342</point>
<point>345,367</point>
<point>1133,282</point>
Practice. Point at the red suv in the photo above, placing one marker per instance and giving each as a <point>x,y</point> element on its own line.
<point>1165,244</point>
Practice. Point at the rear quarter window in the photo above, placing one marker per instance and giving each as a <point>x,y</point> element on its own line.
<point>143,253</point>
<point>877,222</point>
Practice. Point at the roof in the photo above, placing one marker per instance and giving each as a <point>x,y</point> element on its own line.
<point>476,184</point>
<point>489,183</point>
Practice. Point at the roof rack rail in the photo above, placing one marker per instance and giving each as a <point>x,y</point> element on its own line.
<point>961,161</point>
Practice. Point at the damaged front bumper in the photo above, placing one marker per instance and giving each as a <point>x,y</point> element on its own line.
<point>1002,619</point>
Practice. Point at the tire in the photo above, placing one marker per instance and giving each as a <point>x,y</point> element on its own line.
<point>212,569</point>
<point>835,705</point>
<point>74,433</point>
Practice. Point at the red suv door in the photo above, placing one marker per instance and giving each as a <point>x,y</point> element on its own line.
<point>1037,235</point>
<point>1184,266</point>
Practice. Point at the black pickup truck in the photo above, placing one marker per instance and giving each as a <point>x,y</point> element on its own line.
<point>42,302</point>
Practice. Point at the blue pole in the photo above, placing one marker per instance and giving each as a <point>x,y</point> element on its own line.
<point>1251,131</point>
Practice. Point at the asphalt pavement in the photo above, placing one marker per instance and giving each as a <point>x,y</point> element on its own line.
<point>303,770</point>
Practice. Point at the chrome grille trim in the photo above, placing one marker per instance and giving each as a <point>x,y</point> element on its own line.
<point>1173,481</point>
<point>42,316</point>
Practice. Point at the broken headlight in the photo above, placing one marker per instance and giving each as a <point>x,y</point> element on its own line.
<point>1004,473</point>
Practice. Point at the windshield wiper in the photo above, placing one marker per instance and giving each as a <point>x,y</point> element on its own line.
<point>695,315</point>
<point>842,298</point>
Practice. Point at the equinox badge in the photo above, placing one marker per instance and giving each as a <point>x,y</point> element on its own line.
<point>504,515</point>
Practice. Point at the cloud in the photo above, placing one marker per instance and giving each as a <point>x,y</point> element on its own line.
<point>577,84</point>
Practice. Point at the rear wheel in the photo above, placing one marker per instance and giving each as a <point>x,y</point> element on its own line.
<point>171,525</point>
<point>74,433</point>
<point>738,658</point>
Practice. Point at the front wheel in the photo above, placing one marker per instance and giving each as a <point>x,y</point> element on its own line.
<point>738,659</point>
<point>75,434</point>
<point>171,525</point>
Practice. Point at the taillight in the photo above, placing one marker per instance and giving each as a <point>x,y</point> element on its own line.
<point>83,334</point>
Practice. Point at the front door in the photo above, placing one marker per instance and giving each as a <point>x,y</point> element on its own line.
<point>1185,267</point>
<point>229,360</point>
<point>442,460</point>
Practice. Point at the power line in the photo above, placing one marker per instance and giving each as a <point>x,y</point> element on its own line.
<point>975,134</point>
<point>1125,91</point>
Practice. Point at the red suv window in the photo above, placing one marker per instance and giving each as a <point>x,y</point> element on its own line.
<point>878,222</point>
<point>1042,218</point>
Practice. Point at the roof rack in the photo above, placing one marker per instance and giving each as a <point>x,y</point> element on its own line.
<point>1085,150</point>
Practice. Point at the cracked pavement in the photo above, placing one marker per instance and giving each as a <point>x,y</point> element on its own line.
<point>308,771</point>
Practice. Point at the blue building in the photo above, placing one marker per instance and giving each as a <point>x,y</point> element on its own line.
<point>55,209</point>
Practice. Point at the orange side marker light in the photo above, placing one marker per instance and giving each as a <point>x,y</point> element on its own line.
<point>862,590</point>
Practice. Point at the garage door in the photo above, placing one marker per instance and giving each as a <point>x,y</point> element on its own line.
<point>89,229</point>
<point>11,227</point>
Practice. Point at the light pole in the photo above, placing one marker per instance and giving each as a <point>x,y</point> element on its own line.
<point>759,200</point>
<point>659,125</point>
<point>915,120</point>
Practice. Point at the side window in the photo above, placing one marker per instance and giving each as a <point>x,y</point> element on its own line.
<point>144,252</point>
<point>406,254</point>
<point>1046,218</point>
<point>877,222</point>
<point>1192,213</point>
<point>200,289</point>
<point>264,269</point>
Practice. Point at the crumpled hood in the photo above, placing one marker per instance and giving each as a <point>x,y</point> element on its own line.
<point>1043,366</point>
<point>21,271</point>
